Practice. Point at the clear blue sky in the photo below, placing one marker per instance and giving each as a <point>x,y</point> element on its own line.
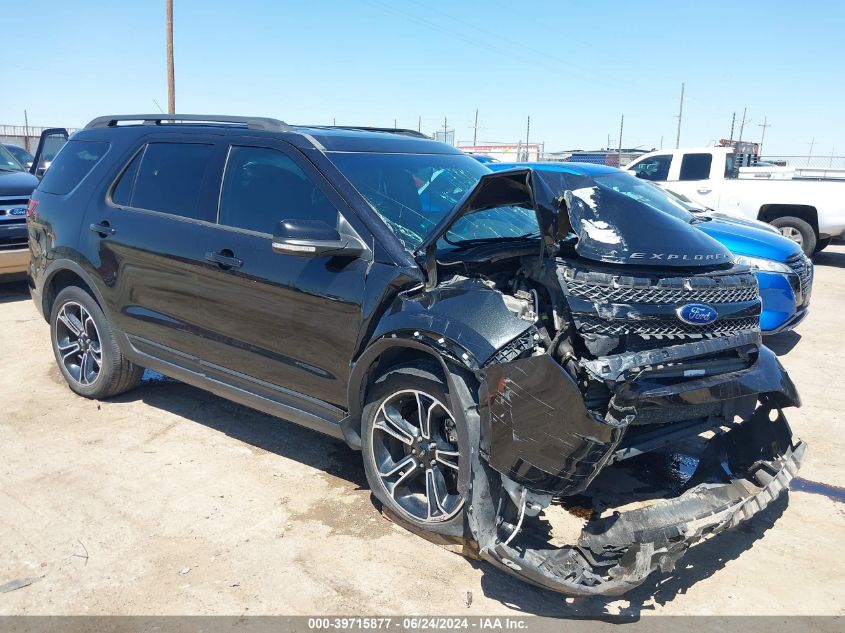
<point>574,67</point>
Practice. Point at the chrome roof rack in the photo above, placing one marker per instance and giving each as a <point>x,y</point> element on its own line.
<point>252,123</point>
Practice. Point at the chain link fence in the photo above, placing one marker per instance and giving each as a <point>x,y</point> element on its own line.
<point>23,136</point>
<point>820,162</point>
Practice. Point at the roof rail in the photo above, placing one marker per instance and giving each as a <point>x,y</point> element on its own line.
<point>253,123</point>
<point>391,130</point>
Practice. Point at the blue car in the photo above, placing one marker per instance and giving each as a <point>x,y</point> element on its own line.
<point>784,273</point>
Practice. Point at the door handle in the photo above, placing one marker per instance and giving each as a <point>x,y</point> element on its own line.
<point>225,259</point>
<point>103,229</point>
<point>704,190</point>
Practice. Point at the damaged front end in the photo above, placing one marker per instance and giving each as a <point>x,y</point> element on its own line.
<point>640,413</point>
<point>541,445</point>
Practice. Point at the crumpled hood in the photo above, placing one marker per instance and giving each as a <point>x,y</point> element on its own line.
<point>607,226</point>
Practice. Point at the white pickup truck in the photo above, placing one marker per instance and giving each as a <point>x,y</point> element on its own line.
<point>810,212</point>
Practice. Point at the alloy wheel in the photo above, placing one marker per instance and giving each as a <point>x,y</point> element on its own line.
<point>415,446</point>
<point>793,234</point>
<point>78,343</point>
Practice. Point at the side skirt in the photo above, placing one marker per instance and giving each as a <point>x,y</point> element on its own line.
<point>271,399</point>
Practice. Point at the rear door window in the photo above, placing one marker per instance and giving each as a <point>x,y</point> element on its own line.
<point>654,167</point>
<point>168,179</point>
<point>73,162</point>
<point>696,167</point>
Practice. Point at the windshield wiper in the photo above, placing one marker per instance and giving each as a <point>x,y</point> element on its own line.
<point>462,244</point>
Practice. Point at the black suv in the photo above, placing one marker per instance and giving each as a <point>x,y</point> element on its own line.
<point>539,364</point>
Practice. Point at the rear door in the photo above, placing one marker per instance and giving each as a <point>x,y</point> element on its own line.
<point>141,238</point>
<point>277,324</point>
<point>691,175</point>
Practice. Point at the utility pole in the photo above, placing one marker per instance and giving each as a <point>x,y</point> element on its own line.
<point>171,82</point>
<point>26,131</point>
<point>742,125</point>
<point>763,125</point>
<point>475,129</point>
<point>527,132</point>
<point>334,121</point>
<point>394,124</point>
<point>661,141</point>
<point>680,116</point>
<point>444,129</point>
<point>419,123</point>
<point>621,125</point>
<point>733,122</point>
<point>810,155</point>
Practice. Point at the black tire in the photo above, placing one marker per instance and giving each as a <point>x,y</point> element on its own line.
<point>73,307</point>
<point>383,450</point>
<point>822,243</point>
<point>798,231</point>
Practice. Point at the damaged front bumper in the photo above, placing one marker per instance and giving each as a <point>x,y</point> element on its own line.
<point>537,433</point>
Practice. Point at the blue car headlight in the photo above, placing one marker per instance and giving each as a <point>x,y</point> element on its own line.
<point>762,264</point>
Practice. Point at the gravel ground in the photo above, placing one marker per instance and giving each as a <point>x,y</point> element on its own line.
<point>169,500</point>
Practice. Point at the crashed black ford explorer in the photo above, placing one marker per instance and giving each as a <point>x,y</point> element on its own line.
<point>541,366</point>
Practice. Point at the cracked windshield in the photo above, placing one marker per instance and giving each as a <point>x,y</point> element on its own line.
<point>412,193</point>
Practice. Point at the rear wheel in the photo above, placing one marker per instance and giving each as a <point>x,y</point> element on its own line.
<point>86,349</point>
<point>416,453</point>
<point>798,231</point>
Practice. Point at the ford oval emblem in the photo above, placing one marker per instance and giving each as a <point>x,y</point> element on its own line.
<point>18,211</point>
<point>697,314</point>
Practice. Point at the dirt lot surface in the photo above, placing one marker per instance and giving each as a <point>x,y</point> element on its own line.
<point>169,500</point>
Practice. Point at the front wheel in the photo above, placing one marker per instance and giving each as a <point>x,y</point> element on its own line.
<point>86,349</point>
<point>798,231</point>
<point>416,452</point>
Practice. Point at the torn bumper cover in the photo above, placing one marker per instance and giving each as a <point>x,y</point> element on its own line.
<point>537,432</point>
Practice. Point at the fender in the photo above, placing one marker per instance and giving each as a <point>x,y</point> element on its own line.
<point>445,354</point>
<point>462,323</point>
<point>54,268</point>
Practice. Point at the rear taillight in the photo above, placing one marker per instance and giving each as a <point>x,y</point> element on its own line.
<point>32,208</point>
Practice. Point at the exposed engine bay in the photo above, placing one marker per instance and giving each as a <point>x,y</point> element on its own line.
<point>611,366</point>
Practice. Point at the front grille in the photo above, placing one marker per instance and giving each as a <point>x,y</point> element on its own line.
<point>732,289</point>
<point>803,267</point>
<point>7,203</point>
<point>660,329</point>
<point>634,308</point>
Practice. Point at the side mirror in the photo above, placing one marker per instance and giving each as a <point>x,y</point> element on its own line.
<point>314,238</point>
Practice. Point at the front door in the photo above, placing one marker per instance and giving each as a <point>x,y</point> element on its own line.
<point>277,324</point>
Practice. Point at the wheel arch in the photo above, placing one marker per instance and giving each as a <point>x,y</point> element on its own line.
<point>808,213</point>
<point>455,366</point>
<point>61,274</point>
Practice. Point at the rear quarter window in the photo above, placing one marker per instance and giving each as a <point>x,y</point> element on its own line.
<point>72,164</point>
